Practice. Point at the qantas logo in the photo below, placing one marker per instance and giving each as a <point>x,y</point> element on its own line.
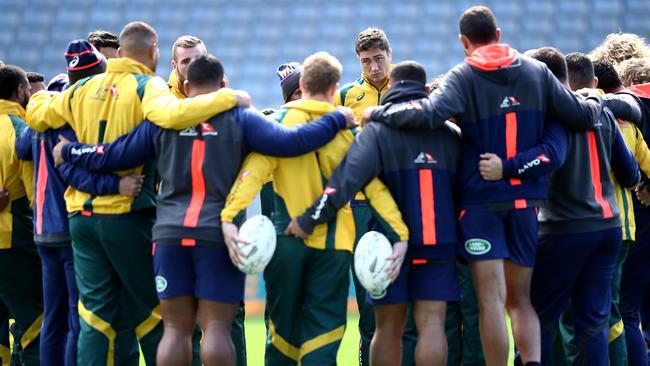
<point>208,130</point>
<point>425,158</point>
<point>543,158</point>
<point>323,200</point>
<point>100,149</point>
<point>533,163</point>
<point>509,102</point>
<point>114,92</point>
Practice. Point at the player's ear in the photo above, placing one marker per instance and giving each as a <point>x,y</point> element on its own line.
<point>465,42</point>
<point>186,87</point>
<point>119,52</point>
<point>301,84</point>
<point>595,81</point>
<point>498,35</point>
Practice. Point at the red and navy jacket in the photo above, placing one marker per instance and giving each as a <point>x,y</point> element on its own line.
<point>419,167</point>
<point>198,166</point>
<point>50,215</point>
<point>501,101</point>
<point>582,197</point>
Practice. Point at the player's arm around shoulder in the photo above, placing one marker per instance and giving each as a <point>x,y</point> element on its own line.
<point>160,106</point>
<point>46,111</point>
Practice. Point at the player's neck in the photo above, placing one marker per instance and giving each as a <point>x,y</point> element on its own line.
<point>317,97</point>
<point>378,85</point>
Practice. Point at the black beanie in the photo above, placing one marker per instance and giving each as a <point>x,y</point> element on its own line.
<point>83,60</point>
<point>289,78</point>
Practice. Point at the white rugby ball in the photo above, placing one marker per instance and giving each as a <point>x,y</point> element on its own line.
<point>259,232</point>
<point>370,263</point>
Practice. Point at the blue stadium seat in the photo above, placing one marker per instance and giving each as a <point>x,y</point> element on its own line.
<point>253,36</point>
<point>507,9</point>
<point>9,19</point>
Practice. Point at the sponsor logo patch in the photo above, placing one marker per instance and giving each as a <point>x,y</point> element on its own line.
<point>425,158</point>
<point>509,102</point>
<point>477,246</point>
<point>360,96</point>
<point>161,283</point>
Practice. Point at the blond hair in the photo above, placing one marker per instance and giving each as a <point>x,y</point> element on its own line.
<point>320,72</point>
<point>634,71</point>
<point>186,42</point>
<point>618,47</point>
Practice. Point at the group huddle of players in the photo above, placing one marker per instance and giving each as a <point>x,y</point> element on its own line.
<point>515,183</point>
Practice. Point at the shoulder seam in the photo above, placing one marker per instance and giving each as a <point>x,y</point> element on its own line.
<point>142,80</point>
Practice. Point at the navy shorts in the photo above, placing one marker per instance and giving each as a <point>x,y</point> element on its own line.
<point>507,234</point>
<point>204,272</point>
<point>422,280</point>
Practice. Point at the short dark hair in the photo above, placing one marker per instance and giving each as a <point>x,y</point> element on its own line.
<point>137,37</point>
<point>371,38</point>
<point>10,78</point>
<point>409,70</point>
<point>554,60</point>
<point>102,38</point>
<point>205,70</point>
<point>34,77</point>
<point>479,25</point>
<point>581,70</point>
<point>608,78</point>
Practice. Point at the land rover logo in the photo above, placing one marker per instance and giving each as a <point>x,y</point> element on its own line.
<point>161,283</point>
<point>477,246</point>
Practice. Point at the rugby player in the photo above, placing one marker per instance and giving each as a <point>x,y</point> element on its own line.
<point>420,169</point>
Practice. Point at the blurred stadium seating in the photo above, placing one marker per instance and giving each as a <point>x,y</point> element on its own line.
<point>252,37</point>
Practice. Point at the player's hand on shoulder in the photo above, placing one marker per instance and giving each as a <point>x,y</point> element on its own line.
<point>232,240</point>
<point>396,259</point>
<point>366,116</point>
<point>244,99</point>
<point>350,119</point>
<point>56,151</point>
<point>490,167</point>
<point>131,185</point>
<point>295,230</point>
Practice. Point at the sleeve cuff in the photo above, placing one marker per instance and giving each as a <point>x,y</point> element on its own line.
<point>226,216</point>
<point>507,168</point>
<point>339,119</point>
<point>65,152</point>
<point>115,184</point>
<point>376,114</point>
<point>306,224</point>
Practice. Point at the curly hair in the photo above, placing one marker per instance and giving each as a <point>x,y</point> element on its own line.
<point>635,71</point>
<point>618,47</point>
